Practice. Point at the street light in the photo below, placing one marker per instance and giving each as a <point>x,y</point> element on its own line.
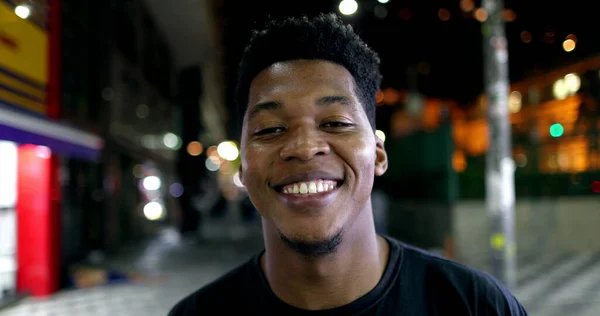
<point>348,7</point>
<point>151,183</point>
<point>569,45</point>
<point>557,130</point>
<point>228,150</point>
<point>23,11</point>
<point>153,210</point>
<point>380,134</point>
<point>171,141</point>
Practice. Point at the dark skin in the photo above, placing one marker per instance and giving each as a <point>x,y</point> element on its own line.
<point>305,123</point>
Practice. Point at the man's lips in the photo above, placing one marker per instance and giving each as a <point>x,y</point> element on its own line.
<point>306,176</point>
<point>310,187</point>
<point>299,197</point>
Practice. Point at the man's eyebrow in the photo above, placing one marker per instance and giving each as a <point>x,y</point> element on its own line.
<point>332,99</point>
<point>257,108</point>
<point>274,105</point>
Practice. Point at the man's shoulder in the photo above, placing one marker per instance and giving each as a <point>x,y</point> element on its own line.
<point>435,263</point>
<point>449,278</point>
<point>216,294</point>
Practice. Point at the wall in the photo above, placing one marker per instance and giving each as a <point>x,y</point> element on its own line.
<point>544,226</point>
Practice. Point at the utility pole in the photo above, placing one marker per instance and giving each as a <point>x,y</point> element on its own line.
<point>500,187</point>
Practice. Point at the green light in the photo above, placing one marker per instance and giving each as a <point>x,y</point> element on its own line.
<point>557,130</point>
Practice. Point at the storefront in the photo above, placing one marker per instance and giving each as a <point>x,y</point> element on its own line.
<point>30,197</point>
<point>31,141</point>
<point>8,224</point>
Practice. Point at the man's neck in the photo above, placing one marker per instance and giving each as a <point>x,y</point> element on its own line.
<point>332,280</point>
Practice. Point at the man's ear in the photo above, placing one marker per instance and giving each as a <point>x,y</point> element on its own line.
<point>381,160</point>
<point>241,174</point>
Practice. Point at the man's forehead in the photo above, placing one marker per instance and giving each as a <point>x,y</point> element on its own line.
<point>325,101</point>
<point>298,76</point>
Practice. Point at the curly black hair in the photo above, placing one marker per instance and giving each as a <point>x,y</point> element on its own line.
<point>323,37</point>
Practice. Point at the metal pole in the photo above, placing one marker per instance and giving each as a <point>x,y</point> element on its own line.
<point>500,191</point>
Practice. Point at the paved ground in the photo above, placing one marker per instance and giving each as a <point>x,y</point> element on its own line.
<point>183,266</point>
<point>563,285</point>
<point>556,285</point>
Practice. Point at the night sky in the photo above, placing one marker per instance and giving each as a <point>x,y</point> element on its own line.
<point>447,55</point>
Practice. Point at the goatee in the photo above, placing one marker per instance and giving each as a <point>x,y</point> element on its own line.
<point>314,249</point>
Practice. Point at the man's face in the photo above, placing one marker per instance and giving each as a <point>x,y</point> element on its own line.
<point>309,154</point>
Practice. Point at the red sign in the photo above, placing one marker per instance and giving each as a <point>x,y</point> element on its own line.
<point>37,220</point>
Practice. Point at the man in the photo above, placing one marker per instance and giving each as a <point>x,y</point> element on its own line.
<point>309,158</point>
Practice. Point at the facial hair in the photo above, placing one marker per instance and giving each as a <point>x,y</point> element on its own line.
<point>314,249</point>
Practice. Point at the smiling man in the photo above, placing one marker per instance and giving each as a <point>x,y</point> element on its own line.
<point>309,158</point>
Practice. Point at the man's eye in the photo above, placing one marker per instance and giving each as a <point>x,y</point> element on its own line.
<point>270,130</point>
<point>336,124</point>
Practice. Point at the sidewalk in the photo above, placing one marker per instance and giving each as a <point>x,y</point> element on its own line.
<point>182,266</point>
<point>566,284</point>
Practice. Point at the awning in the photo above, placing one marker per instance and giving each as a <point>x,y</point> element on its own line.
<point>20,127</point>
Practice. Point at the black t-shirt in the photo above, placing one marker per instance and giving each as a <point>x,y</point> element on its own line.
<point>414,283</point>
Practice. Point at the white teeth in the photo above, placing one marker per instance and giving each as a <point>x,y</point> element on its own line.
<point>320,187</point>
<point>309,187</point>
<point>312,187</point>
<point>303,188</point>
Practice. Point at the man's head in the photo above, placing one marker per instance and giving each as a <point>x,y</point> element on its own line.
<point>324,37</point>
<point>309,152</point>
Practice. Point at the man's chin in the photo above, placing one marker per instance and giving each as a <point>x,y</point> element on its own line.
<point>311,247</point>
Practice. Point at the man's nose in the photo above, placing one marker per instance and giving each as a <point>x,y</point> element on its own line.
<point>304,143</point>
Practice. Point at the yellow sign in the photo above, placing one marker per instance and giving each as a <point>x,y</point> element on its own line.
<point>498,241</point>
<point>23,61</point>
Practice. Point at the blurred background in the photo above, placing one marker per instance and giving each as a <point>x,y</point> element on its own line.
<point>119,191</point>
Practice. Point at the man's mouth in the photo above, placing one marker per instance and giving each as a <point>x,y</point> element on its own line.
<point>309,187</point>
